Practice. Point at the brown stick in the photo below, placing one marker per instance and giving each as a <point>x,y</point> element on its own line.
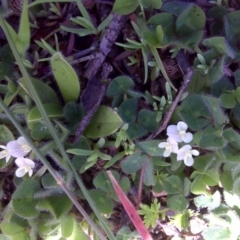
<point>95,97</point>
<point>174,105</point>
<point>108,40</point>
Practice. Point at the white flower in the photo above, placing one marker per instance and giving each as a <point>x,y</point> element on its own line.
<point>18,148</point>
<point>185,153</point>
<point>4,153</point>
<point>25,165</point>
<point>170,146</point>
<point>178,132</point>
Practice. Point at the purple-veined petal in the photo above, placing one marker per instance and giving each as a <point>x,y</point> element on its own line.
<point>15,149</point>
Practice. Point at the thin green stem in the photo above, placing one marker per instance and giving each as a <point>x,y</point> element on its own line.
<point>50,169</point>
<point>52,130</point>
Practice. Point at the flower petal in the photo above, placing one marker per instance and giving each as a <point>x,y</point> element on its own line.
<point>172,132</point>
<point>30,172</point>
<point>180,155</point>
<point>195,152</point>
<point>3,154</point>
<point>185,148</point>
<point>20,172</point>
<point>21,141</point>
<point>188,161</point>
<point>20,162</point>
<point>182,126</point>
<point>3,147</point>
<point>187,137</point>
<point>29,162</point>
<point>7,158</point>
<point>167,153</point>
<point>162,144</point>
<point>15,149</point>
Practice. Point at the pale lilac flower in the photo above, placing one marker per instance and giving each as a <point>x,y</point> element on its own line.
<point>170,146</point>
<point>5,153</point>
<point>18,148</point>
<point>178,132</point>
<point>25,165</point>
<point>185,153</point>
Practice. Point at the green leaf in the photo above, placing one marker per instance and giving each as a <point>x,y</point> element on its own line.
<point>128,110</point>
<point>6,70</point>
<point>212,138</point>
<point>191,20</point>
<point>103,123</point>
<point>151,38</point>
<point>11,228</point>
<point>148,177</point>
<point>147,119</point>
<point>77,233</point>
<point>216,233</point>
<point>173,185</point>
<point>135,131</point>
<point>227,100</point>
<point>198,82</point>
<point>226,177</point>
<point>5,135</point>
<point>210,202</point>
<point>58,205</point>
<point>67,223</point>
<point>237,94</point>
<point>195,112</point>
<point>150,148</point>
<point>6,54</point>
<point>102,200</point>
<point>236,186</point>
<point>166,21</point>
<point>119,85</point>
<point>133,163</point>
<point>177,203</point>
<point>24,34</point>
<point>23,201</point>
<point>48,181</point>
<point>219,117</point>
<point>53,111</point>
<point>49,95</point>
<point>124,7</point>
<point>66,77</point>
<point>221,45</point>
<point>102,181</point>
<point>181,220</point>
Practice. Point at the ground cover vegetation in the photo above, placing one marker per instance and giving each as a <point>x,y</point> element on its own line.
<point>119,119</point>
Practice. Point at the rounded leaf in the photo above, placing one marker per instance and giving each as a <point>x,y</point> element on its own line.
<point>23,201</point>
<point>104,122</point>
<point>227,100</point>
<point>124,7</point>
<point>177,203</point>
<point>119,85</point>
